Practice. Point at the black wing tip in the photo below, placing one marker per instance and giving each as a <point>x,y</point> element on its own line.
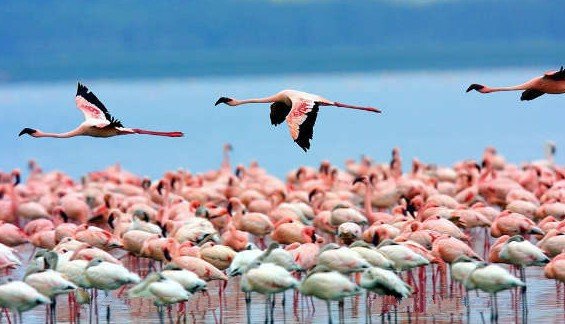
<point>530,94</point>
<point>304,146</point>
<point>306,130</point>
<point>475,86</point>
<point>81,89</point>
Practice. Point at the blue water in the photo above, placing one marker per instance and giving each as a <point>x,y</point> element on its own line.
<point>427,114</point>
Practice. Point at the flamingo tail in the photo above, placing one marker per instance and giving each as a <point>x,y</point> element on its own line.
<point>148,132</point>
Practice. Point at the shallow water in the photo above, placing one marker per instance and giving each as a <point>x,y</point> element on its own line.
<point>427,114</point>
<point>442,302</point>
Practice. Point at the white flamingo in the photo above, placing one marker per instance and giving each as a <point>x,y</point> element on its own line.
<point>98,121</point>
<point>298,108</point>
<point>402,257</point>
<point>522,253</point>
<point>492,279</point>
<point>328,285</point>
<point>20,297</point>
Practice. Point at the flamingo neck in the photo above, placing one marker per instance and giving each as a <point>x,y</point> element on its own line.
<point>254,100</point>
<point>367,202</point>
<point>512,88</point>
<point>55,135</point>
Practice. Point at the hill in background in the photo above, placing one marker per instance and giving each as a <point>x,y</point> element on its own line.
<point>64,39</point>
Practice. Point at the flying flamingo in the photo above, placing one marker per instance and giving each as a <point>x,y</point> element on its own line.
<point>98,121</point>
<point>552,82</point>
<point>298,108</point>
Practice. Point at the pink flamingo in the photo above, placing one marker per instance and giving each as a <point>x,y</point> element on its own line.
<point>552,82</point>
<point>98,121</point>
<point>298,108</point>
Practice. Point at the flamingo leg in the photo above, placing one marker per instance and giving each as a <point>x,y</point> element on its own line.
<point>273,303</point>
<point>248,306</point>
<point>267,302</point>
<point>329,312</point>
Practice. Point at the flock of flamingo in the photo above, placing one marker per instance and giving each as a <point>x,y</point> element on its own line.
<point>327,233</point>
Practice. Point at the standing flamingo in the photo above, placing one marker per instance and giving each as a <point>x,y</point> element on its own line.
<point>298,108</point>
<point>98,121</point>
<point>552,82</point>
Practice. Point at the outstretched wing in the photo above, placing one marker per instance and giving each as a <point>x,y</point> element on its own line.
<point>556,76</point>
<point>93,109</point>
<point>301,120</point>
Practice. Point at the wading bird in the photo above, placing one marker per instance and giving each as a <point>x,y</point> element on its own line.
<point>552,82</point>
<point>298,108</point>
<point>97,121</point>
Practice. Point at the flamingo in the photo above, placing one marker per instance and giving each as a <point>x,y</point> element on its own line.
<point>163,291</point>
<point>492,279</point>
<point>188,279</point>
<point>242,260</point>
<point>385,283</point>
<point>556,268</point>
<point>521,253</point>
<point>552,82</point>
<point>328,285</point>
<point>267,279</point>
<point>298,108</point>
<point>20,297</point>
<point>49,282</point>
<point>341,259</point>
<point>374,257</point>
<point>98,121</point>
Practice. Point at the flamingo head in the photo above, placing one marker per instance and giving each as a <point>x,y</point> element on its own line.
<point>478,87</point>
<point>29,131</point>
<point>224,100</point>
<point>362,179</point>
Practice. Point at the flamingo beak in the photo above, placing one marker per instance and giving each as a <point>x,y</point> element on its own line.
<point>313,237</point>
<point>18,179</point>
<point>223,100</point>
<point>160,188</point>
<point>145,184</point>
<point>475,86</point>
<point>167,254</point>
<point>29,131</point>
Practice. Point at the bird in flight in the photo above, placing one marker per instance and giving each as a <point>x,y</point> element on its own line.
<point>97,121</point>
<point>552,82</point>
<point>299,110</point>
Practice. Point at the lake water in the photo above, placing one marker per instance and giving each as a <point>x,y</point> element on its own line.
<point>427,114</point>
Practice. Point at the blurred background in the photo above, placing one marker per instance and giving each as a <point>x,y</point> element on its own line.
<point>162,64</point>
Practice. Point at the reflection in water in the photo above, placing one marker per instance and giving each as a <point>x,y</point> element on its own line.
<point>436,299</point>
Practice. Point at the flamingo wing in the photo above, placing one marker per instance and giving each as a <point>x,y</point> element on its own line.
<point>531,94</point>
<point>556,76</point>
<point>301,120</point>
<point>279,111</point>
<point>93,109</point>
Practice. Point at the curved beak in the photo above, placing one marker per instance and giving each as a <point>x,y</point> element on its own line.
<point>475,86</point>
<point>28,131</point>
<point>223,100</point>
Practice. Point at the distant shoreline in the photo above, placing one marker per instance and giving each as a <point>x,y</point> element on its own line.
<point>219,63</point>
